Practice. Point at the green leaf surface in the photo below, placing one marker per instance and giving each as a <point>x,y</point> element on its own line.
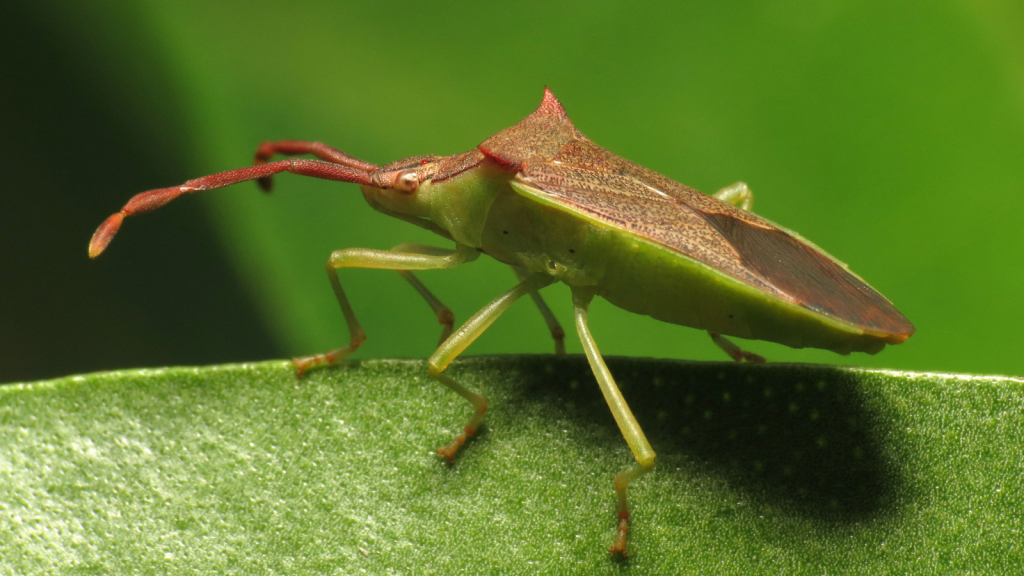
<point>768,469</point>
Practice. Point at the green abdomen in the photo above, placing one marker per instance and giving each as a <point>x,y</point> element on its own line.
<point>647,278</point>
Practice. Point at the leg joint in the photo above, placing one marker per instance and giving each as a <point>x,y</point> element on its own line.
<point>336,260</point>
<point>647,463</point>
<point>446,316</point>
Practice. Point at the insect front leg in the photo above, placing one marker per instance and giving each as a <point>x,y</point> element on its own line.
<point>738,194</point>
<point>628,425</point>
<point>557,333</point>
<point>365,258</point>
<point>735,352</point>
<point>460,340</point>
<point>444,314</point>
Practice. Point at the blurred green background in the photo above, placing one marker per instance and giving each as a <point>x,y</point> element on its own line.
<point>890,135</point>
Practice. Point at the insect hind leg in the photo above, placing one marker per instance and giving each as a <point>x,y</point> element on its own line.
<point>735,352</point>
<point>738,194</point>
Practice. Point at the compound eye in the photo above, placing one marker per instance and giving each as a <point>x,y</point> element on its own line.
<point>407,181</point>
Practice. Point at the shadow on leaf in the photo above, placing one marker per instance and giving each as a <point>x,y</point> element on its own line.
<point>796,437</point>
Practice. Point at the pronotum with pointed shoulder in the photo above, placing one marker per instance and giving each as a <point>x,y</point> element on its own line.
<point>544,199</point>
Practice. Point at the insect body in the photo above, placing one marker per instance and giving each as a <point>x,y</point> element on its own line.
<point>544,199</point>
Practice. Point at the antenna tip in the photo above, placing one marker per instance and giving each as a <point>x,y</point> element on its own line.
<point>104,234</point>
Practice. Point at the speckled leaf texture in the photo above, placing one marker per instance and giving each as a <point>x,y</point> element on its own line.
<point>762,469</point>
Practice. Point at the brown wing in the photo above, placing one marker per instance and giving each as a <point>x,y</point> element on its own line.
<point>555,158</point>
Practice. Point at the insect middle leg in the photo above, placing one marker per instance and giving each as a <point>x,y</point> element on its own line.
<point>738,194</point>
<point>557,333</point>
<point>387,260</point>
<point>628,425</point>
<point>460,340</point>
